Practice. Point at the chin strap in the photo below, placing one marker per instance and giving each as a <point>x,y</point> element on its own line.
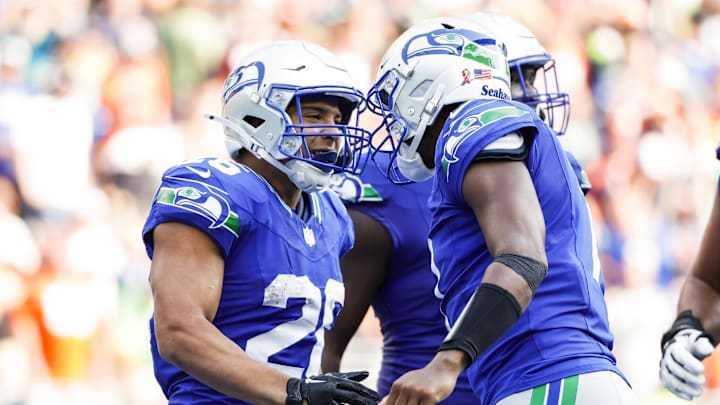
<point>307,177</point>
<point>414,169</point>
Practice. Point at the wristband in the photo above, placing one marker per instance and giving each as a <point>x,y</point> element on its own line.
<point>531,270</point>
<point>685,320</point>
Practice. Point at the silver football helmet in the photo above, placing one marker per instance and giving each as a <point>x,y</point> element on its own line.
<point>533,76</point>
<point>259,91</point>
<point>432,64</point>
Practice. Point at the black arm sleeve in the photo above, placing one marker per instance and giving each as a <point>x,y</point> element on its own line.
<point>492,310</point>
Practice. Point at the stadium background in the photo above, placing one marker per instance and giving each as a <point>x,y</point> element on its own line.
<point>97,98</point>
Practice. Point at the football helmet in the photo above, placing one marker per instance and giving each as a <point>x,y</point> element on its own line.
<point>431,65</point>
<point>532,70</point>
<point>256,97</point>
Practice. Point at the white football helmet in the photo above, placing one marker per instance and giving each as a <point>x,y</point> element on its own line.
<point>532,69</point>
<point>259,91</point>
<point>431,65</point>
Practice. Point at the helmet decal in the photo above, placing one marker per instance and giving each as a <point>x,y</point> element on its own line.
<point>533,75</point>
<point>435,63</point>
<point>243,76</point>
<point>457,42</point>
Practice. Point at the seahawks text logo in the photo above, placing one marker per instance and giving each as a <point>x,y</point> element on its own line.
<point>204,201</point>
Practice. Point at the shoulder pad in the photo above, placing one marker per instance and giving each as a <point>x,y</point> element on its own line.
<point>511,146</point>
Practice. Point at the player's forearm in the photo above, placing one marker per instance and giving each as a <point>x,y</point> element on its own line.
<point>704,302</point>
<point>451,361</point>
<point>505,292</point>
<point>332,352</point>
<point>203,352</point>
<point>491,311</point>
<point>339,336</point>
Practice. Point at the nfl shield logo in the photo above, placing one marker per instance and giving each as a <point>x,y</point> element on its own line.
<point>309,236</point>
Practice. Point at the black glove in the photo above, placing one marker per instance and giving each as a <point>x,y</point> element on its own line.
<point>331,389</point>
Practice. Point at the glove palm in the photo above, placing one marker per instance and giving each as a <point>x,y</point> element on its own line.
<point>681,368</point>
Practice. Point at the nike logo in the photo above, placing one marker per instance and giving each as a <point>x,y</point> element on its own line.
<point>205,174</point>
<point>296,69</point>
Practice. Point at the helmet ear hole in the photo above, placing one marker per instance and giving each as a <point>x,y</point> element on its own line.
<point>422,89</point>
<point>384,98</point>
<point>254,122</point>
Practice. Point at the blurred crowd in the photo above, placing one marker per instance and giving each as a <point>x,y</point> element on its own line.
<point>99,97</point>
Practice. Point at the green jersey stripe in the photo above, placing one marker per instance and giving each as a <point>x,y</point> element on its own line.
<point>569,390</point>
<point>316,207</point>
<point>539,395</point>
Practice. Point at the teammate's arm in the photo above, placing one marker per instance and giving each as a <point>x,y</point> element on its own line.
<point>696,328</point>
<point>186,278</point>
<point>701,291</point>
<point>364,269</point>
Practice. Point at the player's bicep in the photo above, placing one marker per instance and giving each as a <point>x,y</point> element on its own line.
<point>186,273</point>
<point>502,196</point>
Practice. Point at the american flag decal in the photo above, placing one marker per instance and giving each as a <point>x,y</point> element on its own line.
<point>482,74</point>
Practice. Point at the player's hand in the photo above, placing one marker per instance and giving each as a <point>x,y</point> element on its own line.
<point>425,386</point>
<point>681,368</point>
<point>331,389</point>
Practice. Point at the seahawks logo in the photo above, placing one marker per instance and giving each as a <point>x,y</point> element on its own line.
<point>201,199</point>
<point>464,129</point>
<point>453,42</point>
<point>457,136</point>
<point>247,75</point>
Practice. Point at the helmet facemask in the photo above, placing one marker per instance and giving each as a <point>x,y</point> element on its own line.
<point>534,83</point>
<point>295,145</point>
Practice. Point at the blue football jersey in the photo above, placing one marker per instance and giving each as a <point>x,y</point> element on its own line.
<point>282,284</point>
<point>409,313</point>
<point>564,331</point>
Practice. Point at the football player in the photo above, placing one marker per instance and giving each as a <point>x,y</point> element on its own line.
<point>510,233</point>
<point>696,330</point>
<point>389,268</point>
<point>245,252</point>
<point>389,265</point>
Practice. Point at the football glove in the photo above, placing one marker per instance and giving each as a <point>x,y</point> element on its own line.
<point>331,389</point>
<point>684,347</point>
